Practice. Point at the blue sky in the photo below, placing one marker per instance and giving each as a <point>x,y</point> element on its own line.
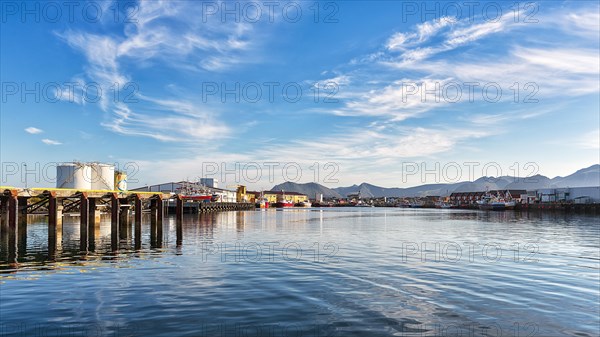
<point>372,61</point>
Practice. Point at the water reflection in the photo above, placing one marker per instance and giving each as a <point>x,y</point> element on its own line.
<point>36,243</point>
<point>307,272</point>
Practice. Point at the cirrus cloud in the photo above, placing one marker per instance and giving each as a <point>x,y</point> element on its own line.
<point>50,142</point>
<point>33,130</point>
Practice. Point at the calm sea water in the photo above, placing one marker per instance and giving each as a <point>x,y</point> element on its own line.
<point>315,272</point>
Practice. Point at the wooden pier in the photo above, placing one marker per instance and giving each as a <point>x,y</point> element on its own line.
<point>16,203</point>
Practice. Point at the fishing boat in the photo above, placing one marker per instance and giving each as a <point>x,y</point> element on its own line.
<point>442,205</point>
<point>198,197</point>
<point>305,203</point>
<point>191,191</point>
<point>262,201</point>
<point>495,203</point>
<point>282,201</point>
<point>488,203</point>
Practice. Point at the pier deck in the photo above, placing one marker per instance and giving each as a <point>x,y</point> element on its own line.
<point>16,203</point>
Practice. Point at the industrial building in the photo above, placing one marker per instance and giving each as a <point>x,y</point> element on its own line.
<point>576,195</point>
<point>191,188</point>
<point>276,196</point>
<point>468,198</point>
<point>209,182</point>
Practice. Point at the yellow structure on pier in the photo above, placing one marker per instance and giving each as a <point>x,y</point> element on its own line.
<point>275,196</point>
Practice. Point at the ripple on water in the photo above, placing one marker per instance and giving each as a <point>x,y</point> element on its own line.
<point>369,286</point>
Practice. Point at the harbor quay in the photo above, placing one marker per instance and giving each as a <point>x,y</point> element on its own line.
<point>123,207</point>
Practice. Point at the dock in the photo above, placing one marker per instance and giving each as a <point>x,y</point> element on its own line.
<point>16,203</point>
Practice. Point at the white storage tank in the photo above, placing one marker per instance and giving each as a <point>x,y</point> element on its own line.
<point>103,176</point>
<point>74,175</point>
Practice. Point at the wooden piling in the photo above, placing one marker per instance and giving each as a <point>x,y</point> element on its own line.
<point>114,221</point>
<point>3,228</point>
<point>179,220</point>
<point>83,222</point>
<point>91,216</point>
<point>22,207</point>
<point>13,218</point>
<point>22,227</point>
<point>159,220</point>
<point>52,225</point>
<point>179,208</point>
<point>153,213</point>
<point>124,223</point>
<point>138,221</point>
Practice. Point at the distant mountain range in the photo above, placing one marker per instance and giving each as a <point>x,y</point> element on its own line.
<point>309,189</point>
<point>585,177</point>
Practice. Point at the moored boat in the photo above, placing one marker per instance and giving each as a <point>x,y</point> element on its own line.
<point>362,204</point>
<point>284,203</point>
<point>203,198</point>
<point>495,203</point>
<point>262,203</point>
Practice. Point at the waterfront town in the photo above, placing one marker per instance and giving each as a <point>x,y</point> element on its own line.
<point>557,198</point>
<point>104,182</point>
<point>299,168</point>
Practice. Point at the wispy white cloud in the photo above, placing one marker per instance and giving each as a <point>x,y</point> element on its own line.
<point>575,61</point>
<point>85,135</point>
<point>340,80</point>
<point>554,70</point>
<point>398,101</point>
<point>543,70</point>
<point>103,67</point>
<point>496,120</point>
<point>423,32</point>
<point>589,140</point>
<point>177,126</point>
<point>177,32</point>
<point>73,93</point>
<point>585,23</point>
<point>170,33</point>
<point>378,144</point>
<point>449,34</point>
<point>353,154</point>
<point>33,130</point>
<point>50,142</point>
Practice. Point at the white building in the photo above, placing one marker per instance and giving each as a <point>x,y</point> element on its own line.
<point>578,195</point>
<point>209,182</point>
